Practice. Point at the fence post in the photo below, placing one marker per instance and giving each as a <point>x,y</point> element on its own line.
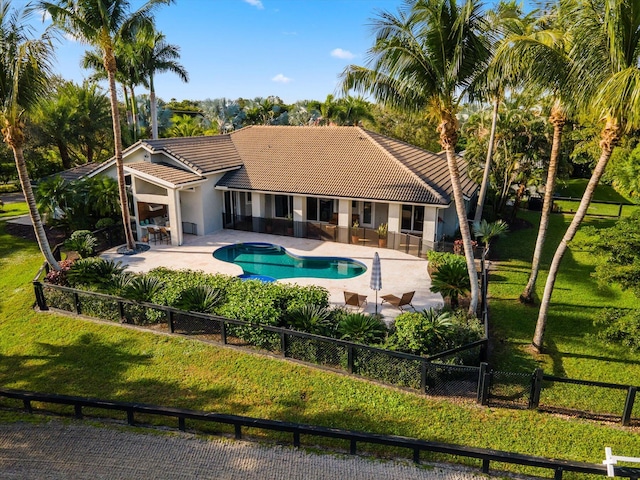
<point>170,320</point>
<point>620,211</point>
<point>536,388</point>
<point>40,298</point>
<point>423,377</point>
<point>123,319</point>
<point>223,332</point>
<point>481,373</point>
<point>350,358</point>
<point>283,343</point>
<point>628,406</point>
<point>76,303</point>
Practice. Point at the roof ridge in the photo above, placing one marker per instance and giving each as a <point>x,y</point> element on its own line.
<point>368,133</point>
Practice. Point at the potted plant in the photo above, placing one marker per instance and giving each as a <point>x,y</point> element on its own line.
<point>355,238</point>
<point>383,231</point>
<point>289,224</point>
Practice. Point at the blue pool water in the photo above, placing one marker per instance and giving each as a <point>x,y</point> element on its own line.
<point>268,260</point>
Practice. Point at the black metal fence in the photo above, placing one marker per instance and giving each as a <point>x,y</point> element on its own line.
<point>433,376</point>
<point>297,430</point>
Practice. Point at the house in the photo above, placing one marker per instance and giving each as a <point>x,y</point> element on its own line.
<point>307,177</point>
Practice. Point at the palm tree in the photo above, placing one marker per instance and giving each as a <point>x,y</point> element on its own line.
<point>540,58</point>
<point>423,59</point>
<point>606,55</point>
<point>102,23</point>
<point>24,79</point>
<point>507,20</point>
<point>157,56</point>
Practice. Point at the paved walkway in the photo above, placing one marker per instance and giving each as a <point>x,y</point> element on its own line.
<point>400,272</point>
<point>75,450</point>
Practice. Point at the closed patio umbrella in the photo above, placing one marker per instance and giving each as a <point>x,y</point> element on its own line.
<point>376,277</point>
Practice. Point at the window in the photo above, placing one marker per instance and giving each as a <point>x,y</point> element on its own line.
<point>284,206</point>
<point>249,197</point>
<point>412,217</point>
<point>319,209</point>
<point>367,213</point>
<point>312,208</point>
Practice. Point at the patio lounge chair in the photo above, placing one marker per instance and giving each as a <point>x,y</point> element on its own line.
<point>399,302</point>
<point>354,300</point>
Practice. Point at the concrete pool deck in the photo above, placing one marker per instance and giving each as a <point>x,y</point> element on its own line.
<point>400,272</point>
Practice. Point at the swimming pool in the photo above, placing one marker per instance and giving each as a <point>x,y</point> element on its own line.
<point>274,261</point>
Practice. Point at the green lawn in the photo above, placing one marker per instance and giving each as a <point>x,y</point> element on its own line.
<point>14,209</point>
<point>53,353</point>
<point>572,348</point>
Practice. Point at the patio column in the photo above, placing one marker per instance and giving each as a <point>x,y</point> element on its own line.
<point>395,217</point>
<point>344,220</point>
<point>175,217</point>
<point>258,211</point>
<point>298,216</point>
<point>429,228</point>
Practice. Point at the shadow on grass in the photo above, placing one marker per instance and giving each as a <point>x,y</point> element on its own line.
<point>95,367</point>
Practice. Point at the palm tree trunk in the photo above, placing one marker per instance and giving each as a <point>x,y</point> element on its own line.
<point>487,165</point>
<point>448,139</point>
<point>134,113</point>
<point>558,119</point>
<point>110,66</point>
<point>610,138</point>
<point>36,220</point>
<point>154,109</point>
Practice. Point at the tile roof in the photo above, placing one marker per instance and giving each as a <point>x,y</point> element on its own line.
<point>164,172</point>
<point>202,154</point>
<point>76,173</point>
<point>335,162</point>
<point>431,167</point>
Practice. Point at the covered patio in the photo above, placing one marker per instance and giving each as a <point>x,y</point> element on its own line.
<point>400,272</point>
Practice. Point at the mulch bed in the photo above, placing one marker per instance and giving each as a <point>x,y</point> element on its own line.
<point>54,235</point>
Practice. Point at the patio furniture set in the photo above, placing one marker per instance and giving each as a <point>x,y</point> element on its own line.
<point>355,300</point>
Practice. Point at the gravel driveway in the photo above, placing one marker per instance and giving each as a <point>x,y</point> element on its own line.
<point>74,450</point>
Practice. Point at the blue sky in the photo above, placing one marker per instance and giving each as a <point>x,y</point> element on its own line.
<point>247,48</point>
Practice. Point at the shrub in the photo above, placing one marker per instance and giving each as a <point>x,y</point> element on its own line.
<point>142,288</point>
<point>94,271</point>
<point>451,280</point>
<point>83,242</point>
<point>620,326</point>
<point>199,298</point>
<point>105,222</point>
<point>59,277</point>
<point>436,259</point>
<point>311,319</point>
<point>362,328</point>
<point>433,331</point>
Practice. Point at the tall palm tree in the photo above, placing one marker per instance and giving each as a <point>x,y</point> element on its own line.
<point>102,23</point>
<point>540,57</point>
<point>506,20</point>
<point>24,79</point>
<point>606,55</point>
<point>423,59</point>
<point>157,56</point>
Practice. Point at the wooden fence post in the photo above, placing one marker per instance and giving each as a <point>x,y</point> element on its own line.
<point>628,406</point>
<point>536,388</point>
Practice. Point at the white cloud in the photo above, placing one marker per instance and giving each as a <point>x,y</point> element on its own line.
<point>280,78</point>
<point>343,54</point>
<point>255,3</point>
